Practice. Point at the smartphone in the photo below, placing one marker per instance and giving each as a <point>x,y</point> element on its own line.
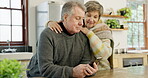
<point>96,61</point>
<point>84,23</point>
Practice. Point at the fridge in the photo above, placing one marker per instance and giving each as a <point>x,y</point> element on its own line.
<point>44,12</point>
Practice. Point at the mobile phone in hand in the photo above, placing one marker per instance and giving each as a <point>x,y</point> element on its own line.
<point>96,61</point>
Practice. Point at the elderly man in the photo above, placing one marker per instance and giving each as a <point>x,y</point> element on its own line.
<point>67,54</point>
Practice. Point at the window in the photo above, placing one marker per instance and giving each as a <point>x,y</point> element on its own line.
<point>13,22</point>
<point>136,25</point>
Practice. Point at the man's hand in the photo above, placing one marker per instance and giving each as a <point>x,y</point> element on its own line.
<point>91,70</point>
<point>83,70</point>
<point>78,71</point>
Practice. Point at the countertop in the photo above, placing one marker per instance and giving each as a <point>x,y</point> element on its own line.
<point>128,72</point>
<point>18,55</point>
<point>137,51</point>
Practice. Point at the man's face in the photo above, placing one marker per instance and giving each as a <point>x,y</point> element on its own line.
<point>74,22</point>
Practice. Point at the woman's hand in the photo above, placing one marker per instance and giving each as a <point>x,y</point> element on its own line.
<point>101,28</point>
<point>54,26</point>
<point>84,30</point>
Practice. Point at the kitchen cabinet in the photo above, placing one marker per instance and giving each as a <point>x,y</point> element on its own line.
<point>126,60</point>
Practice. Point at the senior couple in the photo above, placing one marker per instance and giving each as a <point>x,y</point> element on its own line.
<point>80,40</point>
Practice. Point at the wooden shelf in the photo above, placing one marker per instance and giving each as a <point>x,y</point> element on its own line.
<point>116,16</point>
<point>119,29</point>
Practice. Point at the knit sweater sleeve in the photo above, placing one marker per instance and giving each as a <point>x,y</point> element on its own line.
<point>100,47</point>
<point>45,59</point>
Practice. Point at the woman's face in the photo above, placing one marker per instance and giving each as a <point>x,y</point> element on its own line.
<point>91,19</point>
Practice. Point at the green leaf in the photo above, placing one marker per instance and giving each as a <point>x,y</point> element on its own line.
<point>11,69</point>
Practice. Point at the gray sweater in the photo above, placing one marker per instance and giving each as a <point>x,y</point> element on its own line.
<point>57,54</point>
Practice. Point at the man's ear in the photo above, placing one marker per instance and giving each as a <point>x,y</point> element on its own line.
<point>65,17</point>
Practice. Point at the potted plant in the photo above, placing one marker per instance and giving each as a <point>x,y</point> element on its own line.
<point>125,12</point>
<point>11,69</point>
<point>113,23</point>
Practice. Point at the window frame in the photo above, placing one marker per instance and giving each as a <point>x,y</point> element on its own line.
<point>24,41</point>
<point>145,28</point>
<point>146,25</point>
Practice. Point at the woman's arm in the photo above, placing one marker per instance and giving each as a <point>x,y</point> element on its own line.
<point>101,48</point>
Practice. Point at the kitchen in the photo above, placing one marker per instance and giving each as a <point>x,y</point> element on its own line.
<point>120,36</point>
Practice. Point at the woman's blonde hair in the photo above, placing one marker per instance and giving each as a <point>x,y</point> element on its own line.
<point>94,6</point>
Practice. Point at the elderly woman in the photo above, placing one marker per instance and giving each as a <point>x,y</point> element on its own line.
<point>99,35</point>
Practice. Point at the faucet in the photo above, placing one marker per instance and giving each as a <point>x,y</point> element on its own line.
<point>8,44</point>
<point>9,49</point>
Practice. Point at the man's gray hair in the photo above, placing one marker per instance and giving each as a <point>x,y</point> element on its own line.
<point>68,6</point>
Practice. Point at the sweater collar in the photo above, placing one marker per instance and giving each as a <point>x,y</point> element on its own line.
<point>64,29</point>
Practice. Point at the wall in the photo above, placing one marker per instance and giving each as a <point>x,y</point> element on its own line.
<point>32,22</point>
<point>115,4</point>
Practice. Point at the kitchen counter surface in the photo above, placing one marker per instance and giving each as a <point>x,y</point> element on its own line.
<point>129,72</point>
<point>137,51</point>
<point>18,55</point>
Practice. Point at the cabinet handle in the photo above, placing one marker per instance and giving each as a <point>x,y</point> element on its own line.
<point>136,63</point>
<point>130,63</point>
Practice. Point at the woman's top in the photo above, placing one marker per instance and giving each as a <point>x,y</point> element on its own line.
<point>101,42</point>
